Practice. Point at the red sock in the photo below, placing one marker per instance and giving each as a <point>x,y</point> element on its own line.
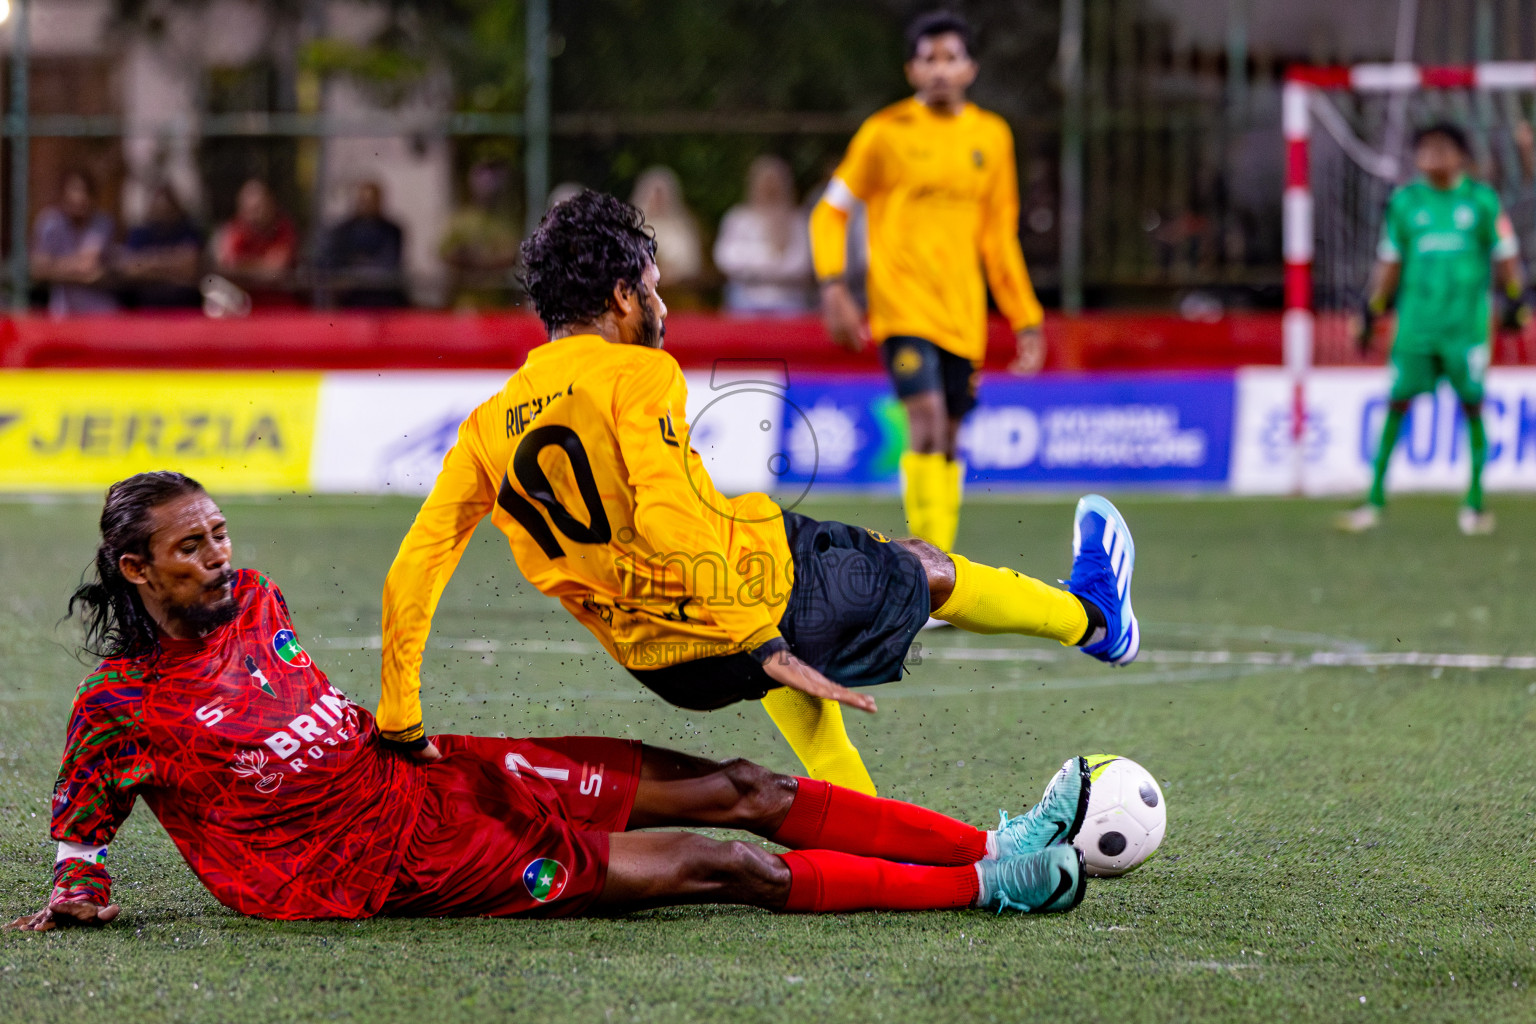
<point>828,817</point>
<point>825,881</point>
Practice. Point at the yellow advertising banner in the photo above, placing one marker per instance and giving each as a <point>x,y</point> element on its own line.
<point>73,430</point>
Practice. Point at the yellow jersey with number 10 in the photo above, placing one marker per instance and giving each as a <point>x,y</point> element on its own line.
<point>942,199</point>
<point>583,461</point>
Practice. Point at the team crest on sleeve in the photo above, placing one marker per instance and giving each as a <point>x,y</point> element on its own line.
<point>286,646</point>
<point>545,879</point>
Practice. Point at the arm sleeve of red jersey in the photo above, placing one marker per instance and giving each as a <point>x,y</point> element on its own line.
<point>462,496</point>
<point>1000,251</point>
<point>102,769</point>
<point>669,511</point>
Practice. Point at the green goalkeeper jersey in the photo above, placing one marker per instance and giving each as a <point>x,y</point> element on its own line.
<point>1446,241</point>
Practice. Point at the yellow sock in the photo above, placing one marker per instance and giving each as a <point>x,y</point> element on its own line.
<point>944,515</point>
<point>922,491</point>
<point>814,729</point>
<point>988,600</point>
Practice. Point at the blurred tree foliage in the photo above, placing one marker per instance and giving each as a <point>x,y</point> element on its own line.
<point>629,56</point>
<point>639,57</point>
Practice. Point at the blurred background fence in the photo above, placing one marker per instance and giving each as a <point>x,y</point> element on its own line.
<point>401,149</point>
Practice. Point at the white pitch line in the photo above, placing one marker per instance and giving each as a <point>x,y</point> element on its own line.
<point>1254,659</point>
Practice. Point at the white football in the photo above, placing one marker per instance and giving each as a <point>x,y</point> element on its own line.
<point>1126,816</point>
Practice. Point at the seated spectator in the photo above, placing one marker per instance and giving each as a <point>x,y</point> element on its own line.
<point>360,257</point>
<point>258,247</point>
<point>480,246</point>
<point>69,248</point>
<point>679,247</point>
<point>161,259</point>
<point>764,246</point>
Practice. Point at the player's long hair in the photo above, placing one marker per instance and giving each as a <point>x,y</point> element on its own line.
<point>115,621</point>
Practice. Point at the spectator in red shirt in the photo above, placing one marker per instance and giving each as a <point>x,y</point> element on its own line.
<point>257,249</point>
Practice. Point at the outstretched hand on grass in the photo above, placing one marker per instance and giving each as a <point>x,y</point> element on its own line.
<point>65,914</point>
<point>786,669</point>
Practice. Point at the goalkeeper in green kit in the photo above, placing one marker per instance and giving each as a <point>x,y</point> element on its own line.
<point>1443,238</point>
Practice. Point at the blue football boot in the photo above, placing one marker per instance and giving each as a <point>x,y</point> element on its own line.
<point>1054,820</point>
<point>1045,882</point>
<point>1103,558</point>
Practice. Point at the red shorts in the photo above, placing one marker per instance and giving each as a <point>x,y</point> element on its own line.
<point>515,826</point>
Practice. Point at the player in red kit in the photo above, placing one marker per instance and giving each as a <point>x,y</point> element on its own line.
<point>278,793</point>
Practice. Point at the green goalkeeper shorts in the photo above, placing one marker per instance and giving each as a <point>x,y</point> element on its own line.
<point>1464,366</point>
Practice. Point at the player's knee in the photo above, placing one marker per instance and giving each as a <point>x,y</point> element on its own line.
<point>927,423</point>
<point>761,794</point>
<point>1399,405</point>
<point>937,566</point>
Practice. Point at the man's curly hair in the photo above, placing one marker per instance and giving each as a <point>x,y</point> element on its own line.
<point>583,248</point>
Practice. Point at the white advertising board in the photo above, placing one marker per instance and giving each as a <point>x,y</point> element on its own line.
<point>1344,409</point>
<point>387,432</point>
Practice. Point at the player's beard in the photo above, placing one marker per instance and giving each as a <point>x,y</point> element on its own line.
<point>205,617</point>
<point>653,329</point>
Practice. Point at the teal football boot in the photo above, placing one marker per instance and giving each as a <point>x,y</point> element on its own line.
<point>1046,882</point>
<point>1053,821</point>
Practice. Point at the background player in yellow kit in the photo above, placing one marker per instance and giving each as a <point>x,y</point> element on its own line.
<point>938,177</point>
<point>583,460</point>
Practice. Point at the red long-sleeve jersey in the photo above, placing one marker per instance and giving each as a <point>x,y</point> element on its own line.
<point>271,783</point>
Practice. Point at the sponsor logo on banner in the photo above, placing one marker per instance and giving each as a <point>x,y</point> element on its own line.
<point>63,430</point>
<point>1344,409</point>
<point>1146,429</point>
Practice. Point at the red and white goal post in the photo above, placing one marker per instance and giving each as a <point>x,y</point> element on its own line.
<point>1348,133</point>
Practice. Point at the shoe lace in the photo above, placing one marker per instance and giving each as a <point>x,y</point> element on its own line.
<point>1004,903</point>
<point>1007,825</point>
<point>1001,896</point>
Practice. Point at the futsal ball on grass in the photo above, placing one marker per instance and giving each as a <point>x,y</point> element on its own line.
<point>1126,816</point>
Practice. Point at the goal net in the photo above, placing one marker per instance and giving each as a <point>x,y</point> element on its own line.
<point>1349,138</point>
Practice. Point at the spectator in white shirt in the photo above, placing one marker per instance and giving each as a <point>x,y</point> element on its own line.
<point>679,246</point>
<point>764,246</point>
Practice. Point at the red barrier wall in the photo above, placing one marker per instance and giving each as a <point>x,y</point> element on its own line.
<point>429,340</point>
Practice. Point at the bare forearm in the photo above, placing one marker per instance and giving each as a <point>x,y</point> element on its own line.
<point>1509,275</point>
<point>1384,281</point>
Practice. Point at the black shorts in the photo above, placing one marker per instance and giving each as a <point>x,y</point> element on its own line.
<point>917,366</point>
<point>857,603</point>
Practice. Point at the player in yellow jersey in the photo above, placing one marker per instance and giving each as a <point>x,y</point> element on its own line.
<point>583,460</point>
<point>940,186</point>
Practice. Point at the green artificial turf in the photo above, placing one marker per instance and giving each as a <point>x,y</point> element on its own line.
<point>1344,843</point>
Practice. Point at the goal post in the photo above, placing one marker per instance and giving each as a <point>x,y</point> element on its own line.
<point>1348,134</point>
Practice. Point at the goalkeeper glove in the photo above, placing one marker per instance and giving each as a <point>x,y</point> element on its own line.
<point>1515,308</point>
